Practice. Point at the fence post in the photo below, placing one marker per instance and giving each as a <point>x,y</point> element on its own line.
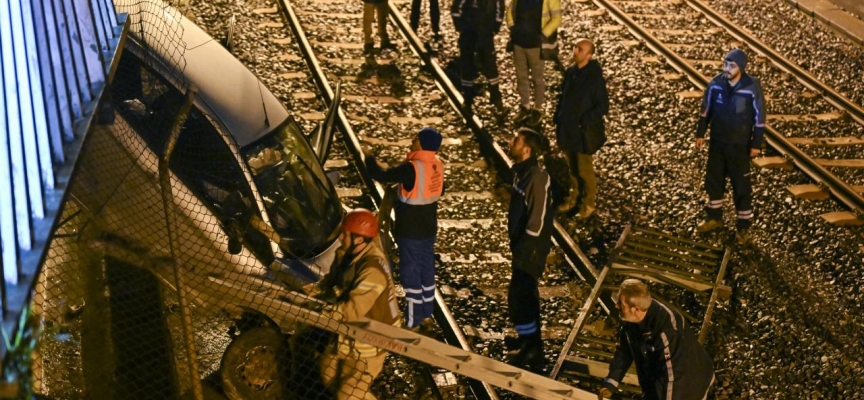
<point>168,206</point>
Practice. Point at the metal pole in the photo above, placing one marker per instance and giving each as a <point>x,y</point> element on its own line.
<point>168,205</point>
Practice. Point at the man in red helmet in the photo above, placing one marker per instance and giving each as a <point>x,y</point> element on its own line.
<point>360,279</point>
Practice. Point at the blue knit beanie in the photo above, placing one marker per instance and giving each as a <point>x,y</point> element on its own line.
<point>738,57</point>
<point>430,139</point>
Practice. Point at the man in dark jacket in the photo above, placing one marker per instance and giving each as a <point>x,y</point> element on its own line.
<point>580,129</point>
<point>670,362</point>
<point>421,184</point>
<point>478,21</point>
<point>529,225</point>
<point>735,107</point>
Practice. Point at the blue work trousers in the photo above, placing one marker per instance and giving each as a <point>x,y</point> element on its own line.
<point>417,276</point>
<point>729,160</point>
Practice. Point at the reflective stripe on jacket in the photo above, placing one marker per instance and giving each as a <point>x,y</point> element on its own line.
<point>368,292</point>
<point>670,362</point>
<point>735,114</point>
<point>428,179</point>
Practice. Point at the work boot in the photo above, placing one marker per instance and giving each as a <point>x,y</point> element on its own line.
<point>495,96</point>
<point>524,113</point>
<point>742,237</point>
<point>530,355</point>
<point>585,212</point>
<point>425,328</point>
<point>534,118</point>
<point>467,107</point>
<point>386,44</point>
<point>709,225</point>
<point>568,204</point>
<point>512,343</point>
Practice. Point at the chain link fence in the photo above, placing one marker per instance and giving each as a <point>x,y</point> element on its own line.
<point>197,213</point>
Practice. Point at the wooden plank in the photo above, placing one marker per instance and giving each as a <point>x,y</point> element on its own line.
<point>829,141</point>
<point>689,94</point>
<point>773,162</point>
<point>659,277</point>
<point>808,192</point>
<point>815,192</point>
<point>842,218</point>
<point>601,370</point>
<point>847,163</point>
<point>341,45</point>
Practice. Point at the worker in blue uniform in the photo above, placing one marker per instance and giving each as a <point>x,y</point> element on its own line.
<point>734,107</point>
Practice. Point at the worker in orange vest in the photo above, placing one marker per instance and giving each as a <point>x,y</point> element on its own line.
<point>421,184</point>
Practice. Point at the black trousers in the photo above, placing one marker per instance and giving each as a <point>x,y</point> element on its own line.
<point>729,160</point>
<point>434,14</point>
<point>523,299</point>
<point>477,47</point>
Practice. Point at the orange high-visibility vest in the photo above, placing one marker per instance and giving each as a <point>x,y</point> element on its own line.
<point>428,179</point>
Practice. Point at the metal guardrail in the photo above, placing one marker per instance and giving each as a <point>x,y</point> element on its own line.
<point>58,57</point>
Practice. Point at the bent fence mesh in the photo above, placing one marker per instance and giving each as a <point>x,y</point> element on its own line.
<point>144,293</point>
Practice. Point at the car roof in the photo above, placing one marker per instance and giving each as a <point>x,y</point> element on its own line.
<point>227,90</point>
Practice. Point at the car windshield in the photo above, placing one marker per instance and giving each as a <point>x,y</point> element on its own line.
<point>301,202</point>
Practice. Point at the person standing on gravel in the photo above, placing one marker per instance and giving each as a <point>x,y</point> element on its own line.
<point>373,9</point>
<point>361,283</point>
<point>529,227</point>
<point>579,126</point>
<point>533,24</point>
<point>434,16</point>
<point>477,22</point>
<point>670,362</point>
<point>734,107</point>
<point>421,184</point>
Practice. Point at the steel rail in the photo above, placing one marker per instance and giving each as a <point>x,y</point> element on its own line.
<point>326,91</point>
<point>841,190</point>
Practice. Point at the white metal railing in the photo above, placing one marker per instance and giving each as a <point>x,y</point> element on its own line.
<point>57,56</point>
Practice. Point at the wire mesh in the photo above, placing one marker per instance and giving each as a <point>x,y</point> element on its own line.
<point>145,291</point>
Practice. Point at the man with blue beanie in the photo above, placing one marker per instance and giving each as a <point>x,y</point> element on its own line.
<point>421,184</point>
<point>734,107</point>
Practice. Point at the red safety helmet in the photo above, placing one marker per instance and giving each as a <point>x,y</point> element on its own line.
<point>361,222</point>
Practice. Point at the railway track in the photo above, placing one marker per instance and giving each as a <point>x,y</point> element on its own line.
<point>465,163</point>
<point>345,59</point>
<point>464,193</point>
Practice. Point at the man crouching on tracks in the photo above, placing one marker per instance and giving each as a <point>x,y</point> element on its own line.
<point>361,281</point>
<point>670,362</point>
<point>734,106</point>
<point>529,225</point>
